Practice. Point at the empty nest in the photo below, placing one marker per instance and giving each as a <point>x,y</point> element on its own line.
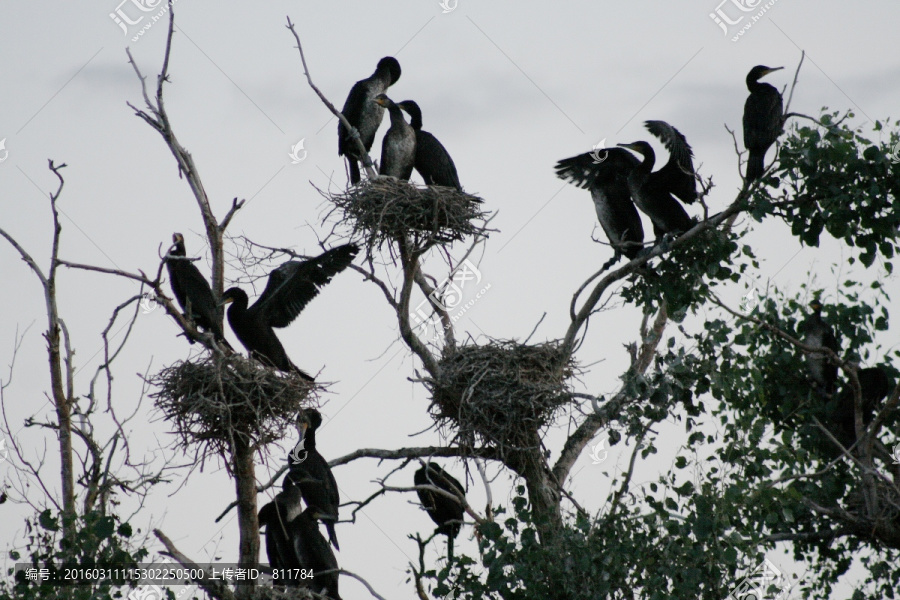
<point>386,209</point>
<point>211,400</point>
<point>501,393</point>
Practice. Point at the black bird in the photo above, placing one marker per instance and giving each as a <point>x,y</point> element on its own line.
<point>289,289</point>
<point>763,119</point>
<point>819,334</point>
<point>310,472</point>
<point>193,292</point>
<point>606,177</point>
<point>363,113</point>
<point>433,162</point>
<point>655,193</point>
<point>875,386</point>
<point>398,148</point>
<point>448,514</point>
<point>293,541</point>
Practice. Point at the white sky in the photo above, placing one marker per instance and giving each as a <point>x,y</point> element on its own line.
<point>509,88</point>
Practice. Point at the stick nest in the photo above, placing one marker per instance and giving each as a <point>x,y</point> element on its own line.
<point>385,209</point>
<point>501,393</point>
<point>212,400</point>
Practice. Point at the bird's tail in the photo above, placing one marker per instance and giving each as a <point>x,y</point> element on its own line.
<point>755,166</point>
<point>332,536</point>
<point>354,170</point>
<point>297,370</point>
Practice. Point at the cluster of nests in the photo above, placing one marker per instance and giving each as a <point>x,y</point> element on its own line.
<point>500,393</point>
<point>386,209</point>
<point>212,399</point>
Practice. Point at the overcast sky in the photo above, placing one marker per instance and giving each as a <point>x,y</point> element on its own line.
<point>508,87</point>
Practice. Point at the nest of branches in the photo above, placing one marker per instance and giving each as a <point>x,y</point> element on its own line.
<point>501,393</point>
<point>385,209</point>
<point>215,399</point>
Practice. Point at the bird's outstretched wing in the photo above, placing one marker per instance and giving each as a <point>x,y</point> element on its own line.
<point>600,165</point>
<point>679,171</point>
<point>292,285</point>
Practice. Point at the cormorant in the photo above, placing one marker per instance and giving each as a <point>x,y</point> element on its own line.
<point>875,386</point>
<point>447,513</point>
<point>819,334</point>
<point>654,193</point>
<point>293,541</point>
<point>607,179</point>
<point>763,119</point>
<point>398,148</point>
<point>363,113</point>
<point>433,162</point>
<point>312,475</point>
<point>289,289</point>
<point>193,292</point>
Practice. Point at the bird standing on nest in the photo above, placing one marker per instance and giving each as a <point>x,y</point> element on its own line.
<point>763,119</point>
<point>447,513</point>
<point>192,291</point>
<point>655,193</point>
<point>293,542</point>
<point>398,148</point>
<point>289,289</point>
<point>310,473</point>
<point>433,162</point>
<point>363,114</point>
<point>819,334</point>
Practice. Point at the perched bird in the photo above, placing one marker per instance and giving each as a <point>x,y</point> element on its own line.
<point>447,513</point>
<point>433,162</point>
<point>192,291</point>
<point>875,386</point>
<point>293,541</point>
<point>819,334</point>
<point>655,193</point>
<point>607,180</point>
<point>363,113</point>
<point>763,119</point>
<point>398,148</point>
<point>289,289</point>
<point>310,472</point>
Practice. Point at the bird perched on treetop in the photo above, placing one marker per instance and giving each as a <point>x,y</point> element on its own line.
<point>289,289</point>
<point>433,162</point>
<point>398,148</point>
<point>763,119</point>
<point>363,113</point>
<point>447,513</point>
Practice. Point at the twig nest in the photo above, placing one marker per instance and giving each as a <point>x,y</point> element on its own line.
<point>385,209</point>
<point>213,399</point>
<point>501,393</point>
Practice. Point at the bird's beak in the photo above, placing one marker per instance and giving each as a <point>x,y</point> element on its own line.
<point>302,429</point>
<point>772,70</point>
<point>631,147</point>
<point>226,301</point>
<point>380,102</point>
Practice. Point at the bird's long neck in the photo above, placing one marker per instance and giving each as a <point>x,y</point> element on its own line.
<point>755,86</point>
<point>649,159</point>
<point>396,116</point>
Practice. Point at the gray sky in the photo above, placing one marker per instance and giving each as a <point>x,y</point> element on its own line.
<point>509,88</point>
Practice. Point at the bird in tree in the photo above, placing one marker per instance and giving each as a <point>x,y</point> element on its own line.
<point>398,148</point>
<point>447,513</point>
<point>606,176</point>
<point>289,289</point>
<point>874,386</point>
<point>310,473</point>
<point>293,541</point>
<point>432,162</point>
<point>820,335</point>
<point>655,193</point>
<point>363,114</point>
<point>763,119</point>
<point>192,291</point>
